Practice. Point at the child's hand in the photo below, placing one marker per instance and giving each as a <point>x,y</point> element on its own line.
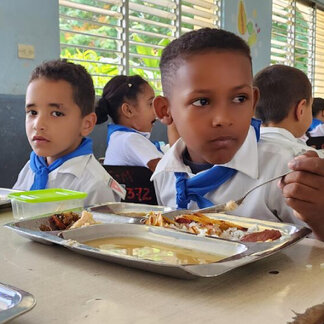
<point>304,190</point>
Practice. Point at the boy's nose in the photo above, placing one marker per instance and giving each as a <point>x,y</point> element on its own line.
<point>221,117</point>
<point>39,123</point>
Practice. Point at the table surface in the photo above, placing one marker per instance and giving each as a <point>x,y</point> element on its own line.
<point>71,288</point>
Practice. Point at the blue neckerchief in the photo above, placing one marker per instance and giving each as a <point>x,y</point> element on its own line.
<point>115,127</point>
<point>314,124</point>
<point>41,169</point>
<point>158,145</point>
<point>196,187</point>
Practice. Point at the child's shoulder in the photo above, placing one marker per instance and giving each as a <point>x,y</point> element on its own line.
<point>95,170</point>
<point>273,156</point>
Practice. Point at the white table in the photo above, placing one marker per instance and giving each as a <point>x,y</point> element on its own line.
<point>71,288</point>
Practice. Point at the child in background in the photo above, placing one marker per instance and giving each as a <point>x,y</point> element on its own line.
<point>209,96</point>
<point>128,101</point>
<point>59,117</point>
<point>285,106</point>
<point>318,113</point>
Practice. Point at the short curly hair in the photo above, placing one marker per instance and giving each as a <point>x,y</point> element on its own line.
<point>76,75</point>
<point>197,42</point>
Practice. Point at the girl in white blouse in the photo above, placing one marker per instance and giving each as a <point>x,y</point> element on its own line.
<point>127,100</point>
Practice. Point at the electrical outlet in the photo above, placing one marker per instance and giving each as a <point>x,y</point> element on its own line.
<point>26,51</point>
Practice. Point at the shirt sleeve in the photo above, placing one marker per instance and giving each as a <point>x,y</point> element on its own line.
<point>139,150</point>
<point>318,131</point>
<point>25,179</point>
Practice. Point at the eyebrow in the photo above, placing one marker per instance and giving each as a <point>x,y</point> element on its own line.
<point>239,87</point>
<point>51,104</point>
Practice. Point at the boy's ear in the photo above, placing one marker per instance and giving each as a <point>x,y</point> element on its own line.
<point>256,97</point>
<point>300,109</point>
<point>127,110</point>
<point>162,109</point>
<point>88,123</point>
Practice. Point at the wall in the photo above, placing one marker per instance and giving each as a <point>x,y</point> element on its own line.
<point>32,22</point>
<point>251,20</point>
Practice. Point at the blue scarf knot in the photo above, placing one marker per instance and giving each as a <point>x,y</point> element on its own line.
<point>183,198</point>
<point>196,187</point>
<point>41,169</point>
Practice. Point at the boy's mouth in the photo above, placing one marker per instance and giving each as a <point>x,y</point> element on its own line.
<point>222,141</point>
<point>39,139</point>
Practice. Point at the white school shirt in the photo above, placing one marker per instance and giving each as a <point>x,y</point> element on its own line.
<point>82,173</point>
<point>255,162</point>
<point>317,131</point>
<point>130,148</point>
<point>282,137</point>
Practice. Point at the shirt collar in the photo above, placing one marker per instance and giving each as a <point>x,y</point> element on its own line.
<point>283,133</point>
<point>74,166</point>
<point>245,160</point>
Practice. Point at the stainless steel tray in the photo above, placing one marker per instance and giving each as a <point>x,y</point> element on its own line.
<point>14,302</point>
<point>124,212</point>
<point>237,253</point>
<point>106,213</point>
<point>4,201</point>
<point>118,225</point>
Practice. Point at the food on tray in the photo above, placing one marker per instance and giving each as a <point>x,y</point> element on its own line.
<point>154,251</point>
<point>230,205</point>
<point>85,220</point>
<point>202,225</point>
<point>68,220</point>
<point>266,235</point>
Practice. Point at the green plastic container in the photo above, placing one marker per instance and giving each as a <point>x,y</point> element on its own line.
<point>34,203</point>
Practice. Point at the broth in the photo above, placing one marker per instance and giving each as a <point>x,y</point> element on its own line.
<point>153,251</point>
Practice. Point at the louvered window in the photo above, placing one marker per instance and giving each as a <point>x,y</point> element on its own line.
<point>111,37</point>
<point>319,55</point>
<point>297,39</point>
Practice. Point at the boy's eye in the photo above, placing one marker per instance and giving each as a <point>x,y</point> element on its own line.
<point>31,112</point>
<point>57,114</point>
<point>201,102</point>
<point>240,99</point>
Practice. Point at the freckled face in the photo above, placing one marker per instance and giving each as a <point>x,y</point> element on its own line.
<point>53,120</point>
<point>213,104</point>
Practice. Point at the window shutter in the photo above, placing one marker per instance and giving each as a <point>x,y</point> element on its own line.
<point>297,39</point>
<point>197,14</point>
<point>152,25</point>
<point>282,30</point>
<point>111,37</point>
<point>304,41</point>
<point>318,85</point>
<point>91,35</point>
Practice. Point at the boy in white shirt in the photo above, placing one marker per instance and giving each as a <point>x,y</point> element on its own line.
<point>59,115</point>
<point>285,107</point>
<point>210,98</point>
<point>317,112</point>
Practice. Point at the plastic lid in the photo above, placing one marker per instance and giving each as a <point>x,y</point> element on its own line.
<point>47,195</point>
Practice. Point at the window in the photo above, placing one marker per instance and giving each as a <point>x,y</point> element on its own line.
<point>111,37</point>
<point>297,39</point>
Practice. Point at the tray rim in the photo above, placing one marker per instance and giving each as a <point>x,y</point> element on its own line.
<point>5,203</point>
<point>26,303</point>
